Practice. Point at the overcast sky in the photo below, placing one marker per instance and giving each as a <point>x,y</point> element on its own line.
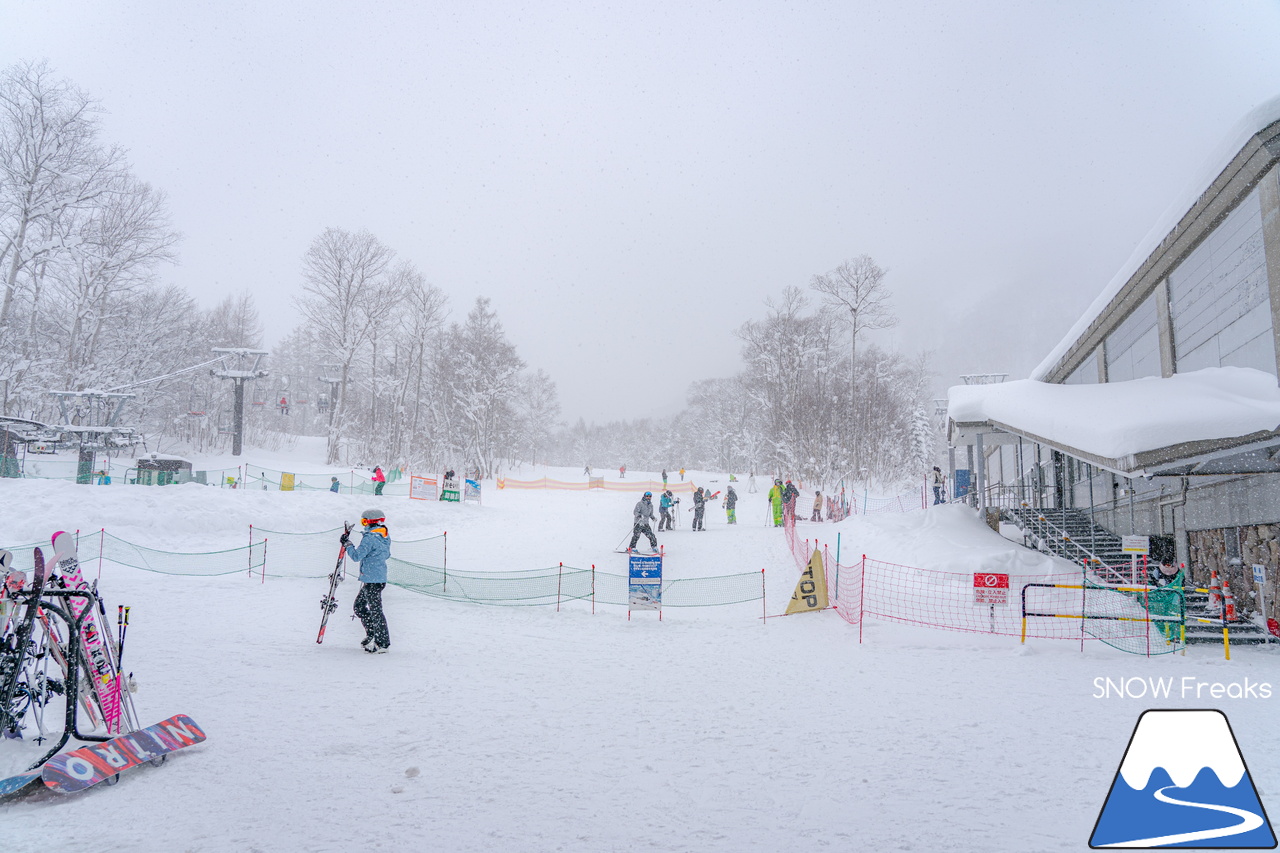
<point>630,181</point>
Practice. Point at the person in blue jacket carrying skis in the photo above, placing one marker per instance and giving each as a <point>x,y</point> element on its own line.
<point>371,554</point>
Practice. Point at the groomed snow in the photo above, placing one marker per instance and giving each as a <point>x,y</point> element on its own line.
<point>1117,419</point>
<point>1255,120</point>
<point>524,729</point>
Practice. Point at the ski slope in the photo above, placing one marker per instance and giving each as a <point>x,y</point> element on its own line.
<point>527,729</point>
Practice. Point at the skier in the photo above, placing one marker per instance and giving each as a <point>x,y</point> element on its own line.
<point>817,507</point>
<point>789,496</point>
<point>665,506</point>
<point>682,475</point>
<point>622,472</point>
<point>775,500</point>
<point>371,554</point>
<point>284,405</point>
<point>333,485</point>
<point>699,508</point>
<point>664,478</point>
<point>642,517</point>
<point>939,482</point>
<point>379,479</point>
<point>730,505</point>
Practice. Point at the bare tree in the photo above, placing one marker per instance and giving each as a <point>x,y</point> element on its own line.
<point>51,165</point>
<point>858,290</point>
<point>348,299</point>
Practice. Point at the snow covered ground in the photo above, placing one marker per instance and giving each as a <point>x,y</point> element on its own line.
<point>524,729</point>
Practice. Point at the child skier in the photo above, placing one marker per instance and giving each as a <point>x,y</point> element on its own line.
<point>730,505</point>
<point>371,554</point>
<point>641,518</point>
<point>665,505</point>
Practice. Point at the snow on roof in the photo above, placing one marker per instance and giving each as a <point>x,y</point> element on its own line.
<point>1255,120</point>
<point>1113,420</point>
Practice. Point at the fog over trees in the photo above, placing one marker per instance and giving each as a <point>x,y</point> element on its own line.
<point>84,244</point>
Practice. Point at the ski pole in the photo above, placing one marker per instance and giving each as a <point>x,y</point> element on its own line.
<point>124,630</point>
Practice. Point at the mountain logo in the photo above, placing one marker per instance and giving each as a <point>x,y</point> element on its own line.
<point>1183,783</point>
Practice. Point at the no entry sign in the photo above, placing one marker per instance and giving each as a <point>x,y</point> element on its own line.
<point>991,588</point>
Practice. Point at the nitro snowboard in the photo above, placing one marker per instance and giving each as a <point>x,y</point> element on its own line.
<point>82,768</point>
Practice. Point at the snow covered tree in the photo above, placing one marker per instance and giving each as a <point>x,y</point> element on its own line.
<point>349,297</point>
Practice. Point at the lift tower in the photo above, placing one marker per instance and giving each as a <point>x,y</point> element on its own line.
<point>246,367</point>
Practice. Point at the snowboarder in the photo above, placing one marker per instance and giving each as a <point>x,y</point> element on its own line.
<point>664,478</point>
<point>642,517</point>
<point>789,496</point>
<point>333,485</point>
<point>939,482</point>
<point>699,508</point>
<point>371,554</point>
<point>379,479</point>
<point>665,507</point>
<point>817,507</point>
<point>730,505</point>
<point>775,500</point>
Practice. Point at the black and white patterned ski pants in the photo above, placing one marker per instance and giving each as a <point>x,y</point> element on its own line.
<point>637,529</point>
<point>369,609</point>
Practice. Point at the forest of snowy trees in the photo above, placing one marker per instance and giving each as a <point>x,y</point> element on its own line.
<point>85,244</point>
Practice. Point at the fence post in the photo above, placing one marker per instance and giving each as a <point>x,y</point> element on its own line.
<point>102,535</point>
<point>264,559</point>
<point>862,598</point>
<point>593,589</point>
<point>446,561</point>
<point>837,598</point>
<point>250,550</point>
<point>764,609</point>
<point>559,579</point>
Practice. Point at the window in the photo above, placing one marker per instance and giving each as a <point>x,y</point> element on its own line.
<point>1133,349</point>
<point>1219,297</point>
<point>1086,373</point>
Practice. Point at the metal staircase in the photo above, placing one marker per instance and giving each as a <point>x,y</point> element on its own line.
<point>1072,535</point>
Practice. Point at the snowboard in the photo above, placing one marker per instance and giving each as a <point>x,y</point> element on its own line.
<point>14,784</point>
<point>82,768</point>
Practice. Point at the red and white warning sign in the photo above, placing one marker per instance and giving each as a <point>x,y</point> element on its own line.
<point>991,588</point>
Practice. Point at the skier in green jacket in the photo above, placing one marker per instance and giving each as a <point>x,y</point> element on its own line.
<point>775,499</point>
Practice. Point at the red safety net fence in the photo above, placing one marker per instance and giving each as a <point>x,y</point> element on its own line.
<point>1062,606</point>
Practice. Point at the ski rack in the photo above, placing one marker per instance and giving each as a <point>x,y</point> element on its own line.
<point>75,662</point>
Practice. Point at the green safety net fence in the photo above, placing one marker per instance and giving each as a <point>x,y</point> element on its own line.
<point>567,583</point>
<point>419,566</point>
<point>1146,622</point>
<point>125,473</point>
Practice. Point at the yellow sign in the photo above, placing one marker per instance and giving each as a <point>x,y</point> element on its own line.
<point>286,481</point>
<point>811,591</point>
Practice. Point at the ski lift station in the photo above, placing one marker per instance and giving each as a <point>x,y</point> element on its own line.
<point>1158,415</point>
<point>161,470</point>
